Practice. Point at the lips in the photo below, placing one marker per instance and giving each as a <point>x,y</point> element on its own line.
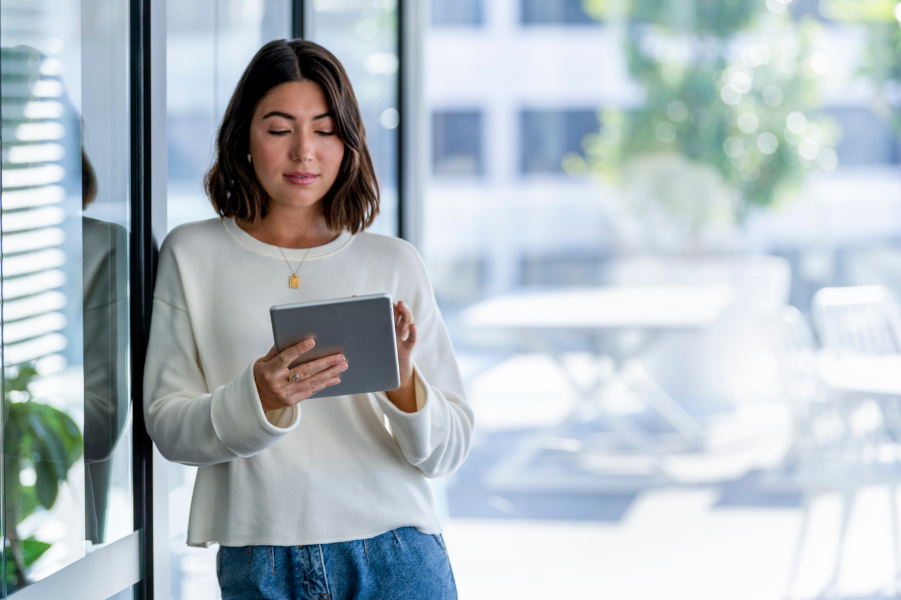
<point>301,178</point>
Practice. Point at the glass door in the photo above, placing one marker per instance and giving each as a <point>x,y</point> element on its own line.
<point>67,416</point>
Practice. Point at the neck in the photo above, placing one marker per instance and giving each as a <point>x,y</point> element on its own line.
<point>289,227</point>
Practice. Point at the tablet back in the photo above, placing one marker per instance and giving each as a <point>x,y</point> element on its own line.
<point>361,328</point>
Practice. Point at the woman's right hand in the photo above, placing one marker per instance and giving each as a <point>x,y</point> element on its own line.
<point>273,378</point>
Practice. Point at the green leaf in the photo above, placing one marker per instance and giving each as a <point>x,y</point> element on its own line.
<point>32,550</point>
<point>48,446</point>
<point>11,579</point>
<point>47,485</point>
<point>20,382</point>
<point>55,425</point>
<point>28,501</point>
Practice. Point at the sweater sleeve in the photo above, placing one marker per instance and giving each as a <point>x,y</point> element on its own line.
<point>189,423</point>
<point>438,436</point>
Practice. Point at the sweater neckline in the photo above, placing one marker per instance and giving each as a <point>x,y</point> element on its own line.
<point>254,245</point>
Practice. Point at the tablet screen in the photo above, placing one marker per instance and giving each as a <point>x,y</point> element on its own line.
<point>361,328</point>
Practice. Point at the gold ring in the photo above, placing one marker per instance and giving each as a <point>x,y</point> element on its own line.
<point>293,377</point>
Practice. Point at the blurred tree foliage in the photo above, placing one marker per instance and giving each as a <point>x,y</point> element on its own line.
<point>882,58</point>
<point>727,84</point>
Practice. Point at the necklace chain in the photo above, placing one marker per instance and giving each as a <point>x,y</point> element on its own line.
<point>293,271</point>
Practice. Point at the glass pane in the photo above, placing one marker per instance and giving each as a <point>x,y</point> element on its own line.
<point>363,35</point>
<point>666,239</point>
<point>66,409</point>
<point>209,43</point>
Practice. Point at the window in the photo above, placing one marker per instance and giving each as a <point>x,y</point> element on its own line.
<point>219,39</point>
<point>457,143</point>
<point>555,12</point>
<point>726,172</point>
<point>457,12</point>
<point>363,35</point>
<point>866,139</point>
<point>548,135</point>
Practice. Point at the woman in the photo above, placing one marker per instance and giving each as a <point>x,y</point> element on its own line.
<point>316,499</point>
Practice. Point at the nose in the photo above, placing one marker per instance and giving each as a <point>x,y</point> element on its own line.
<point>302,149</point>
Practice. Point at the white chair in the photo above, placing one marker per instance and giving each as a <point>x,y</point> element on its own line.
<point>858,320</point>
<point>831,452</point>
<point>839,437</point>
<point>861,321</point>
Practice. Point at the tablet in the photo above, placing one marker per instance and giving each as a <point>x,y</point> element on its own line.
<point>361,328</point>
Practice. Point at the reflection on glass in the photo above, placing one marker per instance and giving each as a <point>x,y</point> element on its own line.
<point>42,437</point>
<point>363,35</point>
<point>67,471</point>
<point>106,400</point>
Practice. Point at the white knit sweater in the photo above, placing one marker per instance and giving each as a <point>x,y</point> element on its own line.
<point>327,469</point>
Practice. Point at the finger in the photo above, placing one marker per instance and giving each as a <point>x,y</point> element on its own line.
<point>405,331</point>
<point>403,315</point>
<point>411,339</point>
<point>315,367</point>
<point>269,355</point>
<point>331,373</point>
<point>322,378</point>
<point>320,385</point>
<point>290,354</point>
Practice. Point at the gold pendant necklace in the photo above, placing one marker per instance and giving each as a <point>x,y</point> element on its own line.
<point>293,280</point>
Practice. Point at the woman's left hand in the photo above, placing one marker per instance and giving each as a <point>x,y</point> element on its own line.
<point>405,330</point>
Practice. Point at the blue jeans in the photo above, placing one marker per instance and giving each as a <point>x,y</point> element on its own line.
<point>402,563</point>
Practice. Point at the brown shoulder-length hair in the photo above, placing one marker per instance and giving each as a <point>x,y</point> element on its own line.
<point>352,203</point>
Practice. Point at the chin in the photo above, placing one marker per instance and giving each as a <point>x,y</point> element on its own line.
<point>295,200</point>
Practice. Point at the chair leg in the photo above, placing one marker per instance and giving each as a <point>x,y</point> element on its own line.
<point>806,501</point>
<point>848,498</point>
<point>896,541</point>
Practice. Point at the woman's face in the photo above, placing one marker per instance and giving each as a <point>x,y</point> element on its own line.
<point>295,152</point>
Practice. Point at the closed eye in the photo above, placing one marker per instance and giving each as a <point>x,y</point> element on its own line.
<point>282,132</point>
<point>326,132</point>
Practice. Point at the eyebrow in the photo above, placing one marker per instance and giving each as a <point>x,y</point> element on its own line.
<point>278,113</point>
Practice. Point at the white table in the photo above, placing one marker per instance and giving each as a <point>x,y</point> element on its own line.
<point>609,316</point>
<point>604,308</point>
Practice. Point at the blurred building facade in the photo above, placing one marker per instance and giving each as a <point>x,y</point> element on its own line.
<point>513,86</point>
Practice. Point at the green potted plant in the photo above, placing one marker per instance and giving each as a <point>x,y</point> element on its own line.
<point>37,439</point>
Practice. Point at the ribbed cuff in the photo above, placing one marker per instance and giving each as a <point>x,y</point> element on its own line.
<point>239,420</point>
<point>413,430</point>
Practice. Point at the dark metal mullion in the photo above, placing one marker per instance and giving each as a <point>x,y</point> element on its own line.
<point>298,8</point>
<point>141,277</point>
<point>402,226</point>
